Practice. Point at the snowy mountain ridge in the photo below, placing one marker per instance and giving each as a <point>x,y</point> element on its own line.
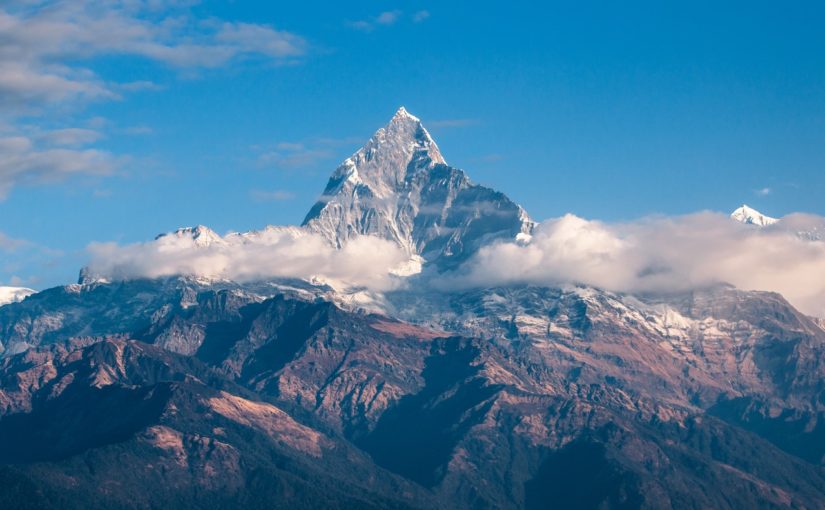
<point>749,216</point>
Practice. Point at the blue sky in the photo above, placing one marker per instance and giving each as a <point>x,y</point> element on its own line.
<point>120,120</point>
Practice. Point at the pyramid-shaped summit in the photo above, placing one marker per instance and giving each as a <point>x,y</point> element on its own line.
<point>399,187</point>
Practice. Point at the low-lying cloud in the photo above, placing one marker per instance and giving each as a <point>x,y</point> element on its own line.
<point>653,255</point>
<point>271,253</point>
<point>662,255</point>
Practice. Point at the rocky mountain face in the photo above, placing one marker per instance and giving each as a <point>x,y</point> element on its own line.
<point>188,392</point>
<point>512,398</point>
<point>124,424</point>
<point>399,187</point>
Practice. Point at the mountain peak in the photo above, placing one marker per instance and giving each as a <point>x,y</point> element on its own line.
<point>200,235</point>
<point>402,113</point>
<point>400,188</point>
<point>385,164</point>
<point>750,216</point>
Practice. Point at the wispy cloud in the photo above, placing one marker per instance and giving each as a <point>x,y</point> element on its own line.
<point>420,16</point>
<point>25,161</point>
<point>763,192</point>
<point>72,137</point>
<point>304,154</point>
<point>490,158</point>
<point>452,123</point>
<point>47,71</point>
<point>386,19</point>
<point>44,45</point>
<point>21,255</point>
<point>10,244</point>
<point>293,155</point>
<point>277,195</point>
<point>137,130</point>
<point>137,86</point>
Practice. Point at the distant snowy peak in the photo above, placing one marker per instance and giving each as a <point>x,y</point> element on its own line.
<point>13,294</point>
<point>751,216</point>
<point>808,227</point>
<point>399,187</point>
<point>203,237</point>
<point>268,232</point>
<point>200,235</point>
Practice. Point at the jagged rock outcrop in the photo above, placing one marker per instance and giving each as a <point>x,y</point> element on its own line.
<point>399,187</point>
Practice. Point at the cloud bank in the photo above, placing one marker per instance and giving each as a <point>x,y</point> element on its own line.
<point>653,255</point>
<point>270,253</point>
<point>661,255</point>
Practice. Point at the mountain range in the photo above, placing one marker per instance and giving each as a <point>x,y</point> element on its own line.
<point>205,391</point>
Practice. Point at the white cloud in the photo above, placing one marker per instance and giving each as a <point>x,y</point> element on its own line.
<point>660,255</point>
<point>43,43</point>
<point>23,161</point>
<point>23,85</point>
<point>651,255</point>
<point>46,71</point>
<point>271,253</point>
<point>763,192</point>
<point>247,38</point>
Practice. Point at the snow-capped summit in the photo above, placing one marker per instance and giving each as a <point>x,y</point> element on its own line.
<point>200,235</point>
<point>383,163</point>
<point>752,217</point>
<point>399,187</point>
<point>13,294</point>
<point>402,113</point>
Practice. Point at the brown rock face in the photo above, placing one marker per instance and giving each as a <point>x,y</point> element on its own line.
<point>502,398</point>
